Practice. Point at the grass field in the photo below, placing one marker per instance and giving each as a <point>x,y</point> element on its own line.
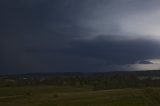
<point>70,96</point>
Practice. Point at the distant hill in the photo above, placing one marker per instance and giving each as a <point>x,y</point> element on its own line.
<point>155,73</point>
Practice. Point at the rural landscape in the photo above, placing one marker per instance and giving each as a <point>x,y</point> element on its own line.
<point>79,52</point>
<point>81,89</point>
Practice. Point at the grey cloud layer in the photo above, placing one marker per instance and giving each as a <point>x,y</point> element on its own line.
<point>132,18</point>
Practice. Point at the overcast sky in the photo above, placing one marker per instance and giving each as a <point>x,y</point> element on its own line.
<point>79,35</point>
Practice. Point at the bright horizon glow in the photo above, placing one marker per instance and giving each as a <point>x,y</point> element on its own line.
<point>154,61</point>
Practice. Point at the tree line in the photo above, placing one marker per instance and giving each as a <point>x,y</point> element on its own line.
<point>96,81</point>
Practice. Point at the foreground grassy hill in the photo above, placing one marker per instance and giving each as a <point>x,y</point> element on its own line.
<point>69,96</point>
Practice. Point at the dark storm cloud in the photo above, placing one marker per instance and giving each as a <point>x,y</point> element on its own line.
<point>71,35</point>
<point>116,52</point>
<point>35,24</point>
<point>96,55</point>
